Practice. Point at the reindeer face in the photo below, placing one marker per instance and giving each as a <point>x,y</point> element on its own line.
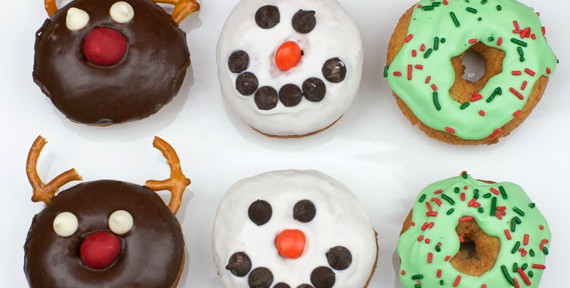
<point>291,228</point>
<point>289,67</point>
<point>110,61</point>
<point>104,248</point>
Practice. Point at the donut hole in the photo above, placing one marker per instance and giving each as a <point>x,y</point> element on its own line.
<point>477,252</point>
<point>473,69</point>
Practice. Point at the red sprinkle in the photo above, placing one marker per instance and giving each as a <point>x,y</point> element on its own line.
<point>476,97</point>
<point>524,277</point>
<point>541,227</point>
<point>538,266</point>
<point>410,72</point>
<point>428,79</point>
<point>495,134</point>
<point>473,41</point>
<point>523,86</point>
<point>419,67</point>
<point>450,130</point>
<point>414,53</point>
<point>457,280</point>
<point>421,238</point>
<point>423,47</point>
<point>517,113</point>
<point>447,258</point>
<point>466,218</point>
<point>517,285</point>
<point>438,192</point>
<point>548,71</point>
<point>398,74</point>
<point>517,73</point>
<point>437,201</point>
<point>482,113</point>
<point>517,93</point>
<point>434,87</point>
<point>409,38</point>
<point>526,239</point>
<point>462,196</point>
<point>529,72</point>
<point>495,191</point>
<point>499,41</point>
<point>438,273</point>
<point>508,234</point>
<point>430,257</point>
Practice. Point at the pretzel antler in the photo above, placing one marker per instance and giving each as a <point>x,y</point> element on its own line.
<point>177,182</point>
<point>44,192</point>
<point>182,8</point>
<point>51,7</point>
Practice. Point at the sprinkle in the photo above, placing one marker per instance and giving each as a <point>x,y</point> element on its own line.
<point>419,67</point>
<point>410,72</point>
<point>529,72</point>
<point>457,280</point>
<point>403,272</point>
<point>450,130</point>
<point>497,91</point>
<point>414,53</point>
<point>430,257</point>
<point>454,18</point>
<point>450,211</point>
<point>482,113</point>
<point>397,74</point>
<point>538,266</point>
<point>504,193</point>
<point>495,191</point>
<point>448,199</point>
<point>519,42</point>
<point>437,192</point>
<point>508,234</point>
<point>524,277</point>
<point>493,206</point>
<point>438,273</point>
<point>473,41</point>
<point>471,10</point>
<point>386,71</point>
<point>421,238</point>
<point>428,79</point>
<point>422,198</point>
<point>517,113</point>
<point>495,133</point>
<point>465,105</point>
<point>476,97</point>
<point>447,258</point>
<point>499,41</point>
<point>428,53</point>
<point>526,239</point>
<point>423,47</point>
<point>517,73</point>
<point>518,211</point>
<point>436,43</point>
<point>418,277</point>
<point>548,70</point>
<point>434,87</point>
<point>507,276</point>
<point>462,196</point>
<point>466,218</point>
<point>516,247</point>
<point>516,93</point>
<point>409,38</point>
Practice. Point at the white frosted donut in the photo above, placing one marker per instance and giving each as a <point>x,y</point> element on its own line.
<point>324,49</point>
<point>259,221</point>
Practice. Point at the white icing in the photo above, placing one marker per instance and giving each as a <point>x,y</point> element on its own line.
<point>122,12</point>
<point>76,19</point>
<point>340,221</point>
<point>120,222</point>
<point>65,224</point>
<point>335,35</point>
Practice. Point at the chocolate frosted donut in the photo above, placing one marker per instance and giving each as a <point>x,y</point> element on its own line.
<point>152,251</point>
<point>107,61</point>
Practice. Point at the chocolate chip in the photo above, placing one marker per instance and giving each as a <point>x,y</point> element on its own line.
<point>290,95</point>
<point>281,285</point>
<point>334,70</point>
<point>304,21</point>
<point>304,286</point>
<point>238,62</point>
<point>260,278</point>
<point>266,98</point>
<point>260,212</point>
<point>239,264</point>
<point>267,17</point>
<point>314,89</point>
<point>304,211</point>
<point>323,277</point>
<point>247,83</point>
<point>339,258</point>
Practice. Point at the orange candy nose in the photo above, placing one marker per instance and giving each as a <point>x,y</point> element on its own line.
<point>290,243</point>
<point>288,56</point>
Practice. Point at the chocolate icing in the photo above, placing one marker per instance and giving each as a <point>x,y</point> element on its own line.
<point>148,77</point>
<point>152,251</point>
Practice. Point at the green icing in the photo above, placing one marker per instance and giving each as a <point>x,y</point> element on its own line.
<point>519,209</point>
<point>454,24</point>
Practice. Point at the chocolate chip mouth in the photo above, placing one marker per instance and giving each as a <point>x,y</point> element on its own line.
<point>266,98</point>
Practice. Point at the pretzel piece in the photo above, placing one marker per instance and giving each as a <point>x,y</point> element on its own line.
<point>177,182</point>
<point>182,8</point>
<point>50,6</point>
<point>44,192</point>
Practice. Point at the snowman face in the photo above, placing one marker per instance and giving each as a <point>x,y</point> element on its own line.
<point>289,67</point>
<point>293,229</point>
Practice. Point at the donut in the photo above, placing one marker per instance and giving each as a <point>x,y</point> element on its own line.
<point>425,70</point>
<point>106,61</point>
<point>105,233</point>
<point>293,229</point>
<point>289,68</point>
<point>464,232</point>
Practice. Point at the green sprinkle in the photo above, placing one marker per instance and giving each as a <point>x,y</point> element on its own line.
<point>531,252</point>
<point>450,211</point>
<point>465,175</point>
<point>454,18</point>
<point>545,250</point>
<point>386,71</point>
<point>471,10</point>
<point>423,198</point>
<point>519,211</point>
<point>418,277</point>
<point>499,8</point>
<point>487,196</point>
<point>464,106</point>
<point>491,39</point>
<point>516,247</point>
<point>517,220</point>
<point>436,43</point>
<point>484,2</point>
<point>437,248</point>
<point>532,205</point>
<point>519,42</point>
<point>493,207</point>
<point>507,276</point>
<point>456,190</point>
<point>428,8</point>
<point>503,192</point>
<point>436,101</point>
<point>442,40</point>
<point>481,210</point>
<point>524,266</point>
<point>496,92</point>
<point>515,267</point>
<point>514,223</point>
<point>441,282</point>
<point>448,199</point>
<point>428,52</point>
<point>530,274</point>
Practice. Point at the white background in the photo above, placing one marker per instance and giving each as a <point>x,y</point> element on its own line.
<point>373,149</point>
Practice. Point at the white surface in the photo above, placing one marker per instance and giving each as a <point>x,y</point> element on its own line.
<point>373,149</point>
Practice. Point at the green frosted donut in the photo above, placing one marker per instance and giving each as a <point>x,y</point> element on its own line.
<point>421,74</point>
<point>502,210</point>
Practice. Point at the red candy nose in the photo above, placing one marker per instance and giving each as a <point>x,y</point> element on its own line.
<point>288,56</point>
<point>99,250</point>
<point>104,46</point>
<point>290,243</point>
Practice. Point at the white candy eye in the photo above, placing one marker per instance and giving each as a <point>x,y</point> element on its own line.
<point>76,19</point>
<point>65,224</point>
<point>120,222</point>
<point>122,12</point>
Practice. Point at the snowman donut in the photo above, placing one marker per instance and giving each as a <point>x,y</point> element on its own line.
<point>289,68</point>
<point>293,229</point>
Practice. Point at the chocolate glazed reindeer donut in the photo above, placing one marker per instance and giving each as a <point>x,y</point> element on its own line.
<point>107,61</point>
<point>105,233</point>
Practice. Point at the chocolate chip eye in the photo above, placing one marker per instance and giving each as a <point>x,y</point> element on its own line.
<point>247,83</point>
<point>266,98</point>
<point>323,277</point>
<point>334,70</point>
<point>290,95</point>
<point>238,61</point>
<point>304,21</point>
<point>339,258</point>
<point>314,89</point>
<point>267,17</point>
<point>260,212</point>
<point>239,264</point>
<point>260,278</point>
<point>304,211</point>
